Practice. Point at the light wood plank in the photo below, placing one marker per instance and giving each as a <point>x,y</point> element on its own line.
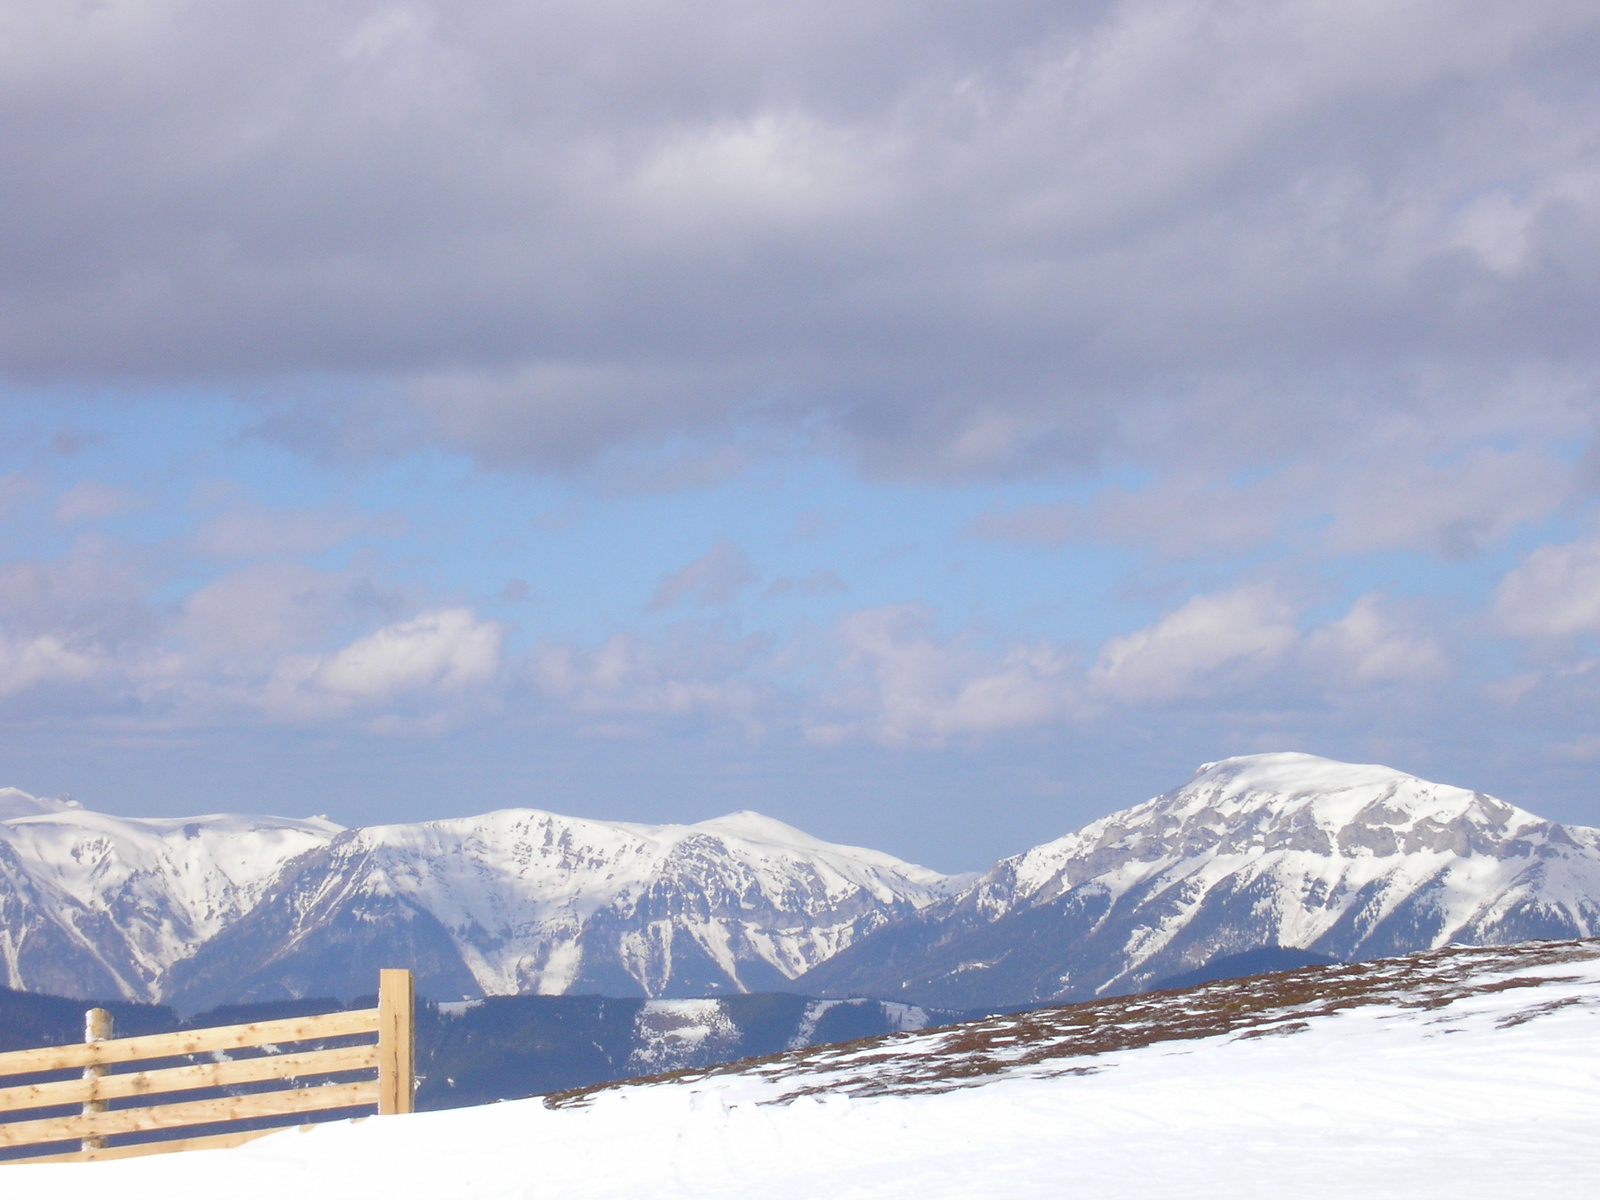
<point>215,1141</point>
<point>97,1027</point>
<point>304,1065</point>
<point>188,1041</point>
<point>189,1112</point>
<point>396,1041</point>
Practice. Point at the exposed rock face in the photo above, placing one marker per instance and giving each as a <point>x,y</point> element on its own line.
<point>1270,850</point>
<point>227,909</point>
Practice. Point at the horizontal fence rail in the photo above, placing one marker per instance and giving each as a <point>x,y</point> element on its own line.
<point>160,1092</point>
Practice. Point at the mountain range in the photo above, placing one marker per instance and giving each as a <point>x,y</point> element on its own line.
<point>229,909</point>
<point>1271,853</point>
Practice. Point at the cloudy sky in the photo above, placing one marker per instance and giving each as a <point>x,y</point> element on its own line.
<point>934,424</point>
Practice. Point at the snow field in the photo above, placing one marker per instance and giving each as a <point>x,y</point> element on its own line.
<point>1496,1094</point>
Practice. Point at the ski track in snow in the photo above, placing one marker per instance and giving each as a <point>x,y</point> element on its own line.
<point>1459,1074</point>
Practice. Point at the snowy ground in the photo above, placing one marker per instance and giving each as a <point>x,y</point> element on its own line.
<point>1460,1074</point>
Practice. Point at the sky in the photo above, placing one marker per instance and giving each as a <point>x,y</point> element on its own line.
<point>932,424</point>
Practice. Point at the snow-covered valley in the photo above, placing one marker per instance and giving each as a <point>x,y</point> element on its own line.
<point>1460,1073</point>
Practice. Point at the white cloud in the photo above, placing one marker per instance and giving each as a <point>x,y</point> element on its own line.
<point>901,685</point>
<point>448,650</point>
<point>95,591</point>
<point>696,670</point>
<point>1553,592</point>
<point>436,662</point>
<point>1369,645</point>
<point>1206,646</point>
<point>1249,638</point>
<point>232,649</point>
<point>45,659</point>
<point>274,606</point>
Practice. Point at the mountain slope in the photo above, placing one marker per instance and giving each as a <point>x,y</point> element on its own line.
<point>229,909</point>
<point>1284,850</point>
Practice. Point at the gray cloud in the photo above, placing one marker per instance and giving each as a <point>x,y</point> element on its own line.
<point>1283,281</point>
<point>945,240</point>
<point>1391,498</point>
<point>92,500</point>
<point>244,532</point>
<point>819,582</point>
<point>716,577</point>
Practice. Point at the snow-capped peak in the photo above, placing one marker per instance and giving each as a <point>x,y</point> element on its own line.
<point>1335,794</point>
<point>15,804</point>
<point>1270,850</point>
<point>757,828</point>
<point>1266,804</point>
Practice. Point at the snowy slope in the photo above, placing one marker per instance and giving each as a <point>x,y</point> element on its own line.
<point>94,905</point>
<point>220,909</point>
<point>1270,850</point>
<point>1460,1074</point>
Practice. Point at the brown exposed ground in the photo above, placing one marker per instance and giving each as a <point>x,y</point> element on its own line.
<point>1064,1039</point>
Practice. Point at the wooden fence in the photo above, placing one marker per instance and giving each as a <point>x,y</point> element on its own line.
<point>141,1091</point>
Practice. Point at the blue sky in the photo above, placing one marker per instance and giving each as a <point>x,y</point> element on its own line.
<point>934,426</point>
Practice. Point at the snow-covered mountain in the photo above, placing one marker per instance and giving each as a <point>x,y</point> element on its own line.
<point>228,908</point>
<point>1269,850</point>
<point>101,906</point>
<point>1276,850</point>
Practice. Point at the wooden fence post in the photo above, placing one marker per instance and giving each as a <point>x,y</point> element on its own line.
<point>96,1028</point>
<point>396,1041</point>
